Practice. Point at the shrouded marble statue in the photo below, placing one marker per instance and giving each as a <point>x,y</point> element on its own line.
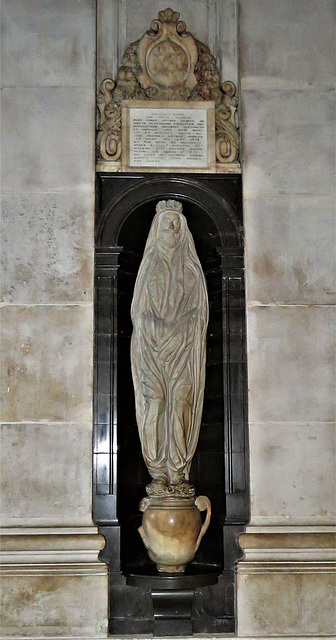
<point>170,316</point>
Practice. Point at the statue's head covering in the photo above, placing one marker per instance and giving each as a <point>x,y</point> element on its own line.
<point>168,205</point>
<point>173,261</point>
<point>185,244</point>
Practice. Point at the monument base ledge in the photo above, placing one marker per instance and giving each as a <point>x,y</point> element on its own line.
<point>53,584</point>
<point>286,581</point>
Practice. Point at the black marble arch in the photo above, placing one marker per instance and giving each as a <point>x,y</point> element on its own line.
<point>125,206</point>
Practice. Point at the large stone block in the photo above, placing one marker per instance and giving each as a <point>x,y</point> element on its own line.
<point>54,606</point>
<point>286,603</point>
<point>47,144</point>
<point>47,363</point>
<point>282,45</point>
<point>290,256</point>
<point>260,612</point>
<point>48,43</point>
<point>293,473</point>
<point>46,474</point>
<point>291,364</point>
<point>47,248</point>
<point>288,143</point>
<point>318,603</point>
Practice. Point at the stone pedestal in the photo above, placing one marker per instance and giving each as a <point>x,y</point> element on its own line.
<point>172,597</point>
<point>286,581</point>
<point>52,582</point>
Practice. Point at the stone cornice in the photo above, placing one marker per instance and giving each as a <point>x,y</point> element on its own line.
<point>56,550</point>
<point>288,549</point>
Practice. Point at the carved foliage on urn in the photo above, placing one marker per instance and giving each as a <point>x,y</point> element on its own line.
<point>167,63</point>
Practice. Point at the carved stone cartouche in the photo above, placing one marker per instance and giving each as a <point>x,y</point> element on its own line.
<point>167,55</point>
<point>167,63</point>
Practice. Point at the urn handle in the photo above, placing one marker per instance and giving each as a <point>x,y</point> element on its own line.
<point>144,504</point>
<point>202,503</point>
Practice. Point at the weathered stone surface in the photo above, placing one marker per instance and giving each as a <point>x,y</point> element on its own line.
<point>47,43</point>
<point>47,363</point>
<point>48,115</point>
<point>259,612</point>
<point>290,253</point>
<point>54,605</point>
<point>303,604</point>
<point>273,37</point>
<point>291,364</point>
<point>47,252</point>
<point>293,472</point>
<point>287,77</point>
<point>46,474</point>
<point>47,144</point>
<point>318,603</point>
<point>288,143</point>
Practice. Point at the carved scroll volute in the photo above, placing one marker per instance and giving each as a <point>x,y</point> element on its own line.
<point>168,53</point>
<point>227,136</point>
<point>109,130</point>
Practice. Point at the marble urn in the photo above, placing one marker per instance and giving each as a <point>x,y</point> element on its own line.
<point>172,530</point>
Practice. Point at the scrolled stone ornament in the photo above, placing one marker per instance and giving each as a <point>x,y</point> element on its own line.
<point>170,316</point>
<point>227,136</point>
<point>167,63</point>
<point>109,130</point>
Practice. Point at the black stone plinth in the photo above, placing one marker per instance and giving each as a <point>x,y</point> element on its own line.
<point>173,595</point>
<point>195,575</point>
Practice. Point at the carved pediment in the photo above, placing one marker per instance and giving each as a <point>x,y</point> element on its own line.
<point>167,63</point>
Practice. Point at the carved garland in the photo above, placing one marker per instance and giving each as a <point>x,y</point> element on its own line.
<point>167,63</point>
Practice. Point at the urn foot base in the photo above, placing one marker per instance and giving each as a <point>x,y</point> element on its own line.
<point>171,568</point>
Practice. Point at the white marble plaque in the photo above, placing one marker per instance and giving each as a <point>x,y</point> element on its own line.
<point>166,136</point>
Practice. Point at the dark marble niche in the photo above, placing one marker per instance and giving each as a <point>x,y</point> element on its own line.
<point>124,210</point>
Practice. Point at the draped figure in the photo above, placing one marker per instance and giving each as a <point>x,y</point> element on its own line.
<point>170,316</point>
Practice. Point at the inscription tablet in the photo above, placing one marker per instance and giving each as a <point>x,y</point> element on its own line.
<point>164,136</point>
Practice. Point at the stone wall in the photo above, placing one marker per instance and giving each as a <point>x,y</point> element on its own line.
<point>286,584</point>
<point>53,583</point>
<point>49,544</point>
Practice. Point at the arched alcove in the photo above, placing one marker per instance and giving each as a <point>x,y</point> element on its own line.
<point>117,200</point>
<point>126,207</point>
